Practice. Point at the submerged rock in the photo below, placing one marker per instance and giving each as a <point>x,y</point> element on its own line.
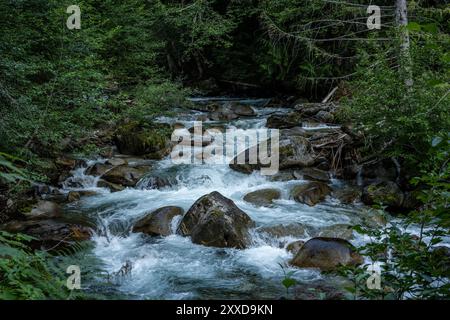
<point>326,254</point>
<point>310,193</point>
<point>263,197</point>
<point>215,221</point>
<point>158,222</point>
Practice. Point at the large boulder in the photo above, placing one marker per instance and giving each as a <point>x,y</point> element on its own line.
<point>263,197</point>
<point>347,194</point>
<point>310,193</point>
<point>158,222</point>
<point>149,139</point>
<point>125,175</point>
<point>214,220</point>
<point>326,254</point>
<point>113,187</point>
<point>386,193</point>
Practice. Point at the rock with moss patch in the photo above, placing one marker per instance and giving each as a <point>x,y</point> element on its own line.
<point>214,220</point>
<point>386,193</point>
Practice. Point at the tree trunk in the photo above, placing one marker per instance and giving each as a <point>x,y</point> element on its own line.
<point>401,14</point>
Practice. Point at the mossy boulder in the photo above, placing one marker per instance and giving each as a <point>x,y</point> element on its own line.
<point>215,221</point>
<point>150,139</point>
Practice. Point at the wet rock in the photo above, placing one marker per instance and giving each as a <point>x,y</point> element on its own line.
<point>65,163</point>
<point>295,246</point>
<point>50,234</point>
<point>312,174</point>
<point>295,230</point>
<point>116,162</point>
<point>311,109</point>
<point>158,222</point>
<point>150,139</point>
<point>284,121</point>
<point>284,175</point>
<point>44,210</point>
<point>386,193</point>
<point>214,220</point>
<point>310,193</point>
<point>98,169</point>
<point>326,254</point>
<point>111,186</point>
<point>125,175</point>
<point>263,197</point>
<point>242,110</point>
<point>296,151</point>
<point>342,231</point>
<point>73,196</point>
<point>347,194</point>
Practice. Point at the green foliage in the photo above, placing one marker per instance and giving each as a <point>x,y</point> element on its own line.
<point>25,274</point>
<point>396,120</point>
<point>288,281</point>
<point>413,265</point>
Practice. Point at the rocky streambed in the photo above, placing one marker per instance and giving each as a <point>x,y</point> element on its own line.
<point>185,231</point>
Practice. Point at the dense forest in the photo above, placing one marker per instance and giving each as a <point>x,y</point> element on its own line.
<point>69,96</point>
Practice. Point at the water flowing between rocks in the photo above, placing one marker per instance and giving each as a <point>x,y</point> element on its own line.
<point>172,267</point>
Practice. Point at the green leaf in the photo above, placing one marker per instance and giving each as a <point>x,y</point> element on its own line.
<point>413,26</point>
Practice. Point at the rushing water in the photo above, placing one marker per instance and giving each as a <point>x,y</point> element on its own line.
<point>173,267</point>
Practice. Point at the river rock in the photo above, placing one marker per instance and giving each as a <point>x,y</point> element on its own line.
<point>214,220</point>
<point>116,162</point>
<point>312,174</point>
<point>73,196</point>
<point>326,254</point>
<point>158,222</point>
<point>324,116</point>
<point>347,194</point>
<point>125,175</point>
<point>296,230</point>
<point>383,170</point>
<point>98,169</point>
<point>283,121</point>
<point>386,193</point>
<point>310,193</point>
<point>111,186</point>
<point>342,231</point>
<point>296,152</point>
<point>263,197</point>
<point>242,110</point>
<point>295,246</point>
